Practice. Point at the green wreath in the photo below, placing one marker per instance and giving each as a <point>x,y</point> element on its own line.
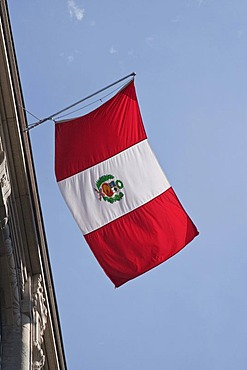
<point>119,184</point>
<point>114,199</point>
<point>103,179</point>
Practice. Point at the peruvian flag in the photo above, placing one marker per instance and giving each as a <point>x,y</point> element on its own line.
<point>118,194</point>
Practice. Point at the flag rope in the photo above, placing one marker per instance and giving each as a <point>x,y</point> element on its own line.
<point>27,111</point>
<point>51,117</point>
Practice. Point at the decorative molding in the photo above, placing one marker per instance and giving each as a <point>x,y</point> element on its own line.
<point>5,190</point>
<point>39,321</point>
<point>13,275</point>
<point>4,179</point>
<point>12,269</point>
<point>21,280</point>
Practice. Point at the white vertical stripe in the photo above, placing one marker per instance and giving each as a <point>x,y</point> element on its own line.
<point>136,167</point>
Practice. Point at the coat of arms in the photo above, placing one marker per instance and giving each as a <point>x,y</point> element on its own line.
<point>109,189</point>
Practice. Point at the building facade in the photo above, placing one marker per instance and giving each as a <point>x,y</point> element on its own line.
<point>30,334</point>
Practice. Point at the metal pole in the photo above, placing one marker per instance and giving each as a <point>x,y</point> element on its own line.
<point>78,102</point>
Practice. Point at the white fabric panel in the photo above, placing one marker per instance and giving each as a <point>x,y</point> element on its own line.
<point>140,173</point>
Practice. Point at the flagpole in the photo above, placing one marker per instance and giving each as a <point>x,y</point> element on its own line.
<point>51,117</point>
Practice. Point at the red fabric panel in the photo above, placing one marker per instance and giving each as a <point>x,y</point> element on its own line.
<point>142,239</point>
<point>90,139</point>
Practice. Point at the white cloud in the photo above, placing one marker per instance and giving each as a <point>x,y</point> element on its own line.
<point>75,10</point>
<point>149,41</point>
<point>176,19</point>
<point>113,50</point>
<point>70,58</point>
<point>198,2</point>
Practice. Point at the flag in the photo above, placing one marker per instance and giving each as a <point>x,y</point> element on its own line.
<point>118,194</point>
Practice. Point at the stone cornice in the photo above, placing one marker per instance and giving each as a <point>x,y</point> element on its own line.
<point>23,205</point>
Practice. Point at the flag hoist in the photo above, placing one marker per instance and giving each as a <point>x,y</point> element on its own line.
<point>119,196</point>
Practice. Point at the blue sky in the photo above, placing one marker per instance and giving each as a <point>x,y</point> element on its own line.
<point>190,58</point>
